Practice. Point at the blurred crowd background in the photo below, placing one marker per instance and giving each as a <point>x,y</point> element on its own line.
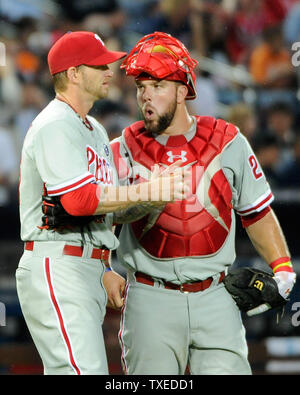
<point>248,74</point>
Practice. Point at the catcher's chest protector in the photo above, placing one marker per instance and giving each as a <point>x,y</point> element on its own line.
<point>199,225</point>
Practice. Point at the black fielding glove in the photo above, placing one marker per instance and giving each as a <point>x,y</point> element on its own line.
<point>56,217</point>
<point>254,291</point>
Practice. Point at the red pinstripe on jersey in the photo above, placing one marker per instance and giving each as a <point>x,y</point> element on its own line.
<point>121,332</point>
<point>60,316</point>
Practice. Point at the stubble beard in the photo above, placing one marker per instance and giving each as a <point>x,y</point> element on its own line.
<point>95,91</point>
<point>99,93</point>
<point>163,122</point>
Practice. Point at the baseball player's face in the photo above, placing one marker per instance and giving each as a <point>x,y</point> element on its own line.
<point>157,100</point>
<point>95,81</point>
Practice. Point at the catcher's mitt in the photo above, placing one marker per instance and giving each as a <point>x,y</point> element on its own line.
<point>56,217</point>
<point>251,288</point>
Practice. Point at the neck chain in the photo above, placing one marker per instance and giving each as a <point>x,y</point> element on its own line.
<point>85,121</point>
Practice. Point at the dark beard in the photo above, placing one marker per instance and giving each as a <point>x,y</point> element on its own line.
<point>164,121</point>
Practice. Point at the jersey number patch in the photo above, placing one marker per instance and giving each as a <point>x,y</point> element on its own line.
<point>256,170</point>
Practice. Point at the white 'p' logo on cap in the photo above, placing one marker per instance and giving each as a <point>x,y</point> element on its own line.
<point>98,38</point>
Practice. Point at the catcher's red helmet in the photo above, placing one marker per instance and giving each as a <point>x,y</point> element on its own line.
<point>162,57</point>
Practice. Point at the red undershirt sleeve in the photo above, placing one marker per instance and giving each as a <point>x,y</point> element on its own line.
<point>82,201</point>
<point>248,220</point>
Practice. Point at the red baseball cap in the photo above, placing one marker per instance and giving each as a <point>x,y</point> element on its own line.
<point>77,48</point>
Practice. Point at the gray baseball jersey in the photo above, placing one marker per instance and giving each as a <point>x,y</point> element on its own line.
<point>201,329</point>
<point>250,193</point>
<point>61,154</point>
<point>62,296</point>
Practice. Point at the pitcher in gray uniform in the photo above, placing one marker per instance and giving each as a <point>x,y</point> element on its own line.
<point>64,279</point>
<point>177,312</point>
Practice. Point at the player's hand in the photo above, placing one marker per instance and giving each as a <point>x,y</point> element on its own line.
<point>170,184</point>
<point>114,285</point>
<point>285,282</point>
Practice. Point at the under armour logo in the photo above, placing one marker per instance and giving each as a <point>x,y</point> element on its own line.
<point>98,38</point>
<point>182,156</point>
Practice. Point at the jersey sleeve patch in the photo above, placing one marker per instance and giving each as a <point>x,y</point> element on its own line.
<point>71,185</point>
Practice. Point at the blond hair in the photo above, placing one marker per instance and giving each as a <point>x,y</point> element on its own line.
<point>60,80</point>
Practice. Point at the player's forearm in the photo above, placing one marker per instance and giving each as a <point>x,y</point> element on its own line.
<point>92,199</point>
<point>268,239</point>
<point>134,213</point>
<point>120,199</point>
<point>131,214</point>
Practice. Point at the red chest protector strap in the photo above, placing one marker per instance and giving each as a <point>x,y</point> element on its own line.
<point>187,228</point>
